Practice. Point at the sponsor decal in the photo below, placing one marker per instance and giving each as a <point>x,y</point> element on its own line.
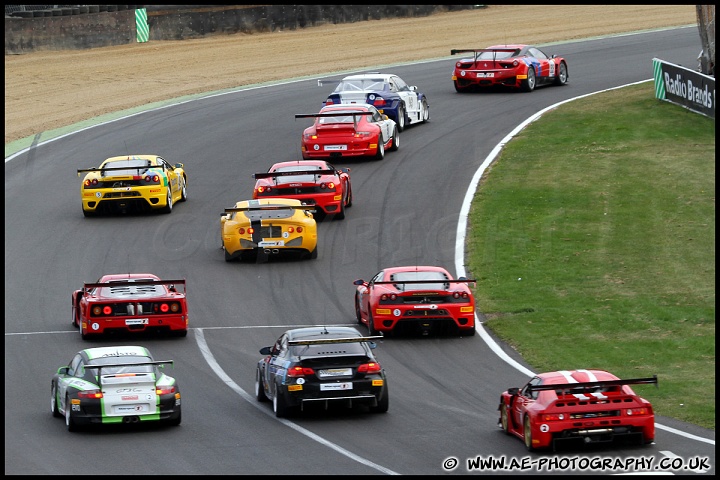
<point>544,428</point>
<point>326,387</point>
<point>466,309</point>
<point>98,194</point>
<point>300,381</point>
<point>75,401</point>
<point>95,326</point>
<point>125,398</point>
<point>377,383</point>
<point>121,189</point>
<point>294,388</point>
<point>397,312</point>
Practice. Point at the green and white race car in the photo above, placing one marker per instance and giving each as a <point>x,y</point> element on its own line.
<point>111,385</point>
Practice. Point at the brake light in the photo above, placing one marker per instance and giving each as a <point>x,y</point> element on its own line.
<point>91,183</point>
<point>299,229</point>
<point>164,390</point>
<point>152,179</point>
<point>174,307</point>
<point>90,394</point>
<point>549,417</point>
<point>299,371</point>
<point>379,101</point>
<point>328,101</point>
<point>164,308</point>
<point>249,231</point>
<point>371,367</point>
<point>107,310</point>
<point>362,134</point>
<point>460,295</point>
<point>638,411</point>
<point>388,296</point>
<point>264,189</point>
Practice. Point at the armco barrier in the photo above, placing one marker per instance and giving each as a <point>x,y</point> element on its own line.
<point>108,25</point>
<point>682,86</point>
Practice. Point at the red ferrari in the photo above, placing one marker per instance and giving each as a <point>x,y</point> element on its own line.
<point>313,182</point>
<point>130,303</point>
<point>415,299</point>
<point>349,130</point>
<point>589,406</point>
<point>517,66</point>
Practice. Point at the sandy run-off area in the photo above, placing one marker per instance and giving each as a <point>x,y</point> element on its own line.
<point>53,89</point>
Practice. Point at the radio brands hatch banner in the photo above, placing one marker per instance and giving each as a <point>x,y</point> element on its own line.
<point>682,86</point>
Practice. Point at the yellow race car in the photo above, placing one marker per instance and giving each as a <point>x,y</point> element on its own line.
<point>132,183</point>
<point>255,229</point>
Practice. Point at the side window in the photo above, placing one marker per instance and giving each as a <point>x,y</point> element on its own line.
<point>283,347</point>
<point>393,87</point>
<point>401,85</point>
<point>74,365</point>
<point>537,53</point>
<point>527,392</point>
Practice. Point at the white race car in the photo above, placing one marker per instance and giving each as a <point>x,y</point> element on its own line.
<point>390,94</point>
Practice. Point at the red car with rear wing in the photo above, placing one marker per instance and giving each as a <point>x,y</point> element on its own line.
<point>130,303</point>
<point>420,299</point>
<point>341,131</point>
<point>518,66</point>
<point>589,406</point>
<point>313,182</point>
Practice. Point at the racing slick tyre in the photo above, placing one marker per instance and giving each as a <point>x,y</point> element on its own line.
<point>395,141</point>
<point>401,118</point>
<point>53,401</point>
<point>357,312</point>
<point>69,421</point>
<point>504,420</point>
<point>562,75</point>
<point>349,197</point>
<point>527,434</point>
<point>371,326</point>
<point>169,203</point>
<point>380,149</point>
<point>528,85</point>
<point>383,402</point>
<point>280,406</point>
<point>183,190</point>
<point>313,255</point>
<point>468,332</point>
<point>424,112</point>
<point>341,214</point>
<point>259,389</point>
<point>458,89</point>
<point>174,422</point>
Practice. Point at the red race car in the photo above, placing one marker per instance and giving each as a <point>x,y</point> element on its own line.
<point>129,303</point>
<point>419,299</point>
<point>313,182</point>
<point>590,406</point>
<point>349,130</point>
<point>517,66</point>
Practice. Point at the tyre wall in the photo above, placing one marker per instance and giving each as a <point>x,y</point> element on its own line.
<point>93,26</point>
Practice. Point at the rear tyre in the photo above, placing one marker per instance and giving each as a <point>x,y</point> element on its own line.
<point>380,149</point>
<point>527,435</point>
<point>69,421</point>
<point>528,85</point>
<point>371,325</point>
<point>341,214</point>
<point>468,332</point>
<point>357,312</point>
<point>313,255</point>
<point>401,118</point>
<point>174,422</point>
<point>169,202</point>
<point>280,405</point>
<point>349,198</point>
<point>383,402</point>
<point>183,190</point>
<point>395,141</point>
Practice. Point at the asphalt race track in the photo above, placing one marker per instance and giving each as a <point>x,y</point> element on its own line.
<point>444,392</point>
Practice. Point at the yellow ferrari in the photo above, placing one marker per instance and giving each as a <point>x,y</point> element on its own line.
<point>132,183</point>
<point>268,227</point>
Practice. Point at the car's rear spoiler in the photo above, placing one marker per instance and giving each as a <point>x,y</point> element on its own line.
<point>390,282</point>
<point>89,286</point>
<point>335,340</point>
<point>335,114</point>
<point>292,173</point>
<point>565,387</point>
<point>132,364</point>
<point>475,50</point>
<point>268,207</point>
<point>109,169</point>
<point>327,81</point>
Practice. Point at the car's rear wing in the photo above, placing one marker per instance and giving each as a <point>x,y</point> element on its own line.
<point>257,176</point>
<point>110,169</point>
<point>328,81</point>
<point>355,115</point>
<point>326,341</point>
<point>268,207</point>
<point>129,364</point>
<point>401,282</point>
<point>570,388</point>
<point>115,283</point>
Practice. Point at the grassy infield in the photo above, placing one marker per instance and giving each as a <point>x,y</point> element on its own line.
<point>592,238</point>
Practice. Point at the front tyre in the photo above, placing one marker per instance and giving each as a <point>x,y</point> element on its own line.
<point>53,401</point>
<point>562,75</point>
<point>259,388</point>
<point>401,118</point>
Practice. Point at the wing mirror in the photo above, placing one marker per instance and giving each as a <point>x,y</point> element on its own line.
<point>266,350</point>
<point>359,281</point>
<point>513,391</point>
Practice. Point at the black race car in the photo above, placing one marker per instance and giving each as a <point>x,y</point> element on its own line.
<point>321,365</point>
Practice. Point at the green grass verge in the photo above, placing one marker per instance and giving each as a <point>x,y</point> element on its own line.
<point>592,238</point>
